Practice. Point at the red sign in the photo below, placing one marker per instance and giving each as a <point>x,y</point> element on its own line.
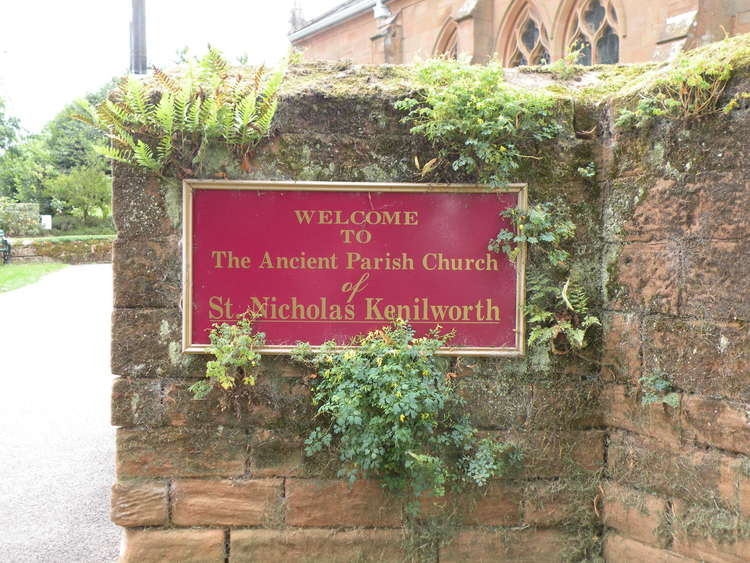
<point>324,261</point>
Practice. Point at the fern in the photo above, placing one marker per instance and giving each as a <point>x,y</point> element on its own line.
<point>168,124</point>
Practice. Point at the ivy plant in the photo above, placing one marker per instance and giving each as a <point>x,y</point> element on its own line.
<point>170,122</point>
<point>391,412</point>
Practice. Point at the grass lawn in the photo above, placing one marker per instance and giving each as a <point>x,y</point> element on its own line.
<point>13,276</point>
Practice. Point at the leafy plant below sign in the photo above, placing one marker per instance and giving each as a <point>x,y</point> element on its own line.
<point>392,412</point>
<point>237,360</point>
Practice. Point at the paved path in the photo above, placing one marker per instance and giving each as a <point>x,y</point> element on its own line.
<point>56,442</point>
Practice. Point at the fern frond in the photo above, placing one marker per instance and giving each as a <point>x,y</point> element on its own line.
<point>164,114</point>
<point>264,119</point>
<point>144,156</point>
<point>166,81</point>
<point>113,153</point>
<point>136,100</point>
<point>164,148</point>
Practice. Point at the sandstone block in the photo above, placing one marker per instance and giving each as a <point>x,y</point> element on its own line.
<point>702,540</point>
<point>634,514</point>
<point>618,549</point>
<point>139,503</point>
<point>181,452</point>
<point>718,423</point>
<point>621,354</point>
<point>329,503</point>
<point>148,343</point>
<point>276,454</point>
<point>709,358</point>
<point>648,278</point>
<point>198,502</point>
<point>547,504</point>
<point>665,212</point>
<point>623,409</point>
<point>316,545</point>
<point>519,546</point>
<point>147,273</point>
<point>140,205</point>
<point>185,546</point>
<point>693,474</point>
<point>716,277</point>
<point>557,454</point>
<point>136,402</point>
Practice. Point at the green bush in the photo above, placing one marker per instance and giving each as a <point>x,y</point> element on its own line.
<point>19,219</point>
<point>390,410</point>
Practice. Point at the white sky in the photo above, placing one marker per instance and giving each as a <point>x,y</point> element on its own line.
<point>54,51</point>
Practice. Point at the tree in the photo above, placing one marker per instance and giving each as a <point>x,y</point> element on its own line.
<point>81,190</point>
<point>9,127</point>
<point>70,141</point>
<point>24,170</point>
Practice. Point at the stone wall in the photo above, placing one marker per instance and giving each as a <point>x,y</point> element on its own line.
<point>663,240</point>
<point>89,250</point>
<point>678,242</point>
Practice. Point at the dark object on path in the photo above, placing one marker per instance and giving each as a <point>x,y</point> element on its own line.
<point>4,248</point>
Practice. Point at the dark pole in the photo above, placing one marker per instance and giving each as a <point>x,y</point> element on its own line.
<point>138,60</point>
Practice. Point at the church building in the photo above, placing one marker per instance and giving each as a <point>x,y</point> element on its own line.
<point>518,32</point>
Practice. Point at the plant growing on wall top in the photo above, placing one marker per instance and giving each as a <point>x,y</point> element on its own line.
<point>391,412</point>
<point>691,86</point>
<point>478,122</point>
<point>171,123</point>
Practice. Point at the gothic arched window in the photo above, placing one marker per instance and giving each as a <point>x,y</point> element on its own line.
<point>447,43</point>
<point>594,31</point>
<point>528,43</point>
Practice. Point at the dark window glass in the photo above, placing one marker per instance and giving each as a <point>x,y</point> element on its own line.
<point>542,57</point>
<point>583,44</point>
<point>608,47</point>
<point>594,15</point>
<point>530,35</point>
<point>613,13</point>
<point>518,60</point>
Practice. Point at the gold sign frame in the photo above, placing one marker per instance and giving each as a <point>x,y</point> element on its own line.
<point>189,185</point>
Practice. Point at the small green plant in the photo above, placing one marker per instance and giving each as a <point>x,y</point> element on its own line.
<point>237,361</point>
<point>557,307</point>
<point>691,86</point>
<point>588,171</point>
<point>478,122</point>
<point>558,316</point>
<point>567,67</point>
<point>543,224</point>
<point>657,388</point>
<point>391,412</point>
<point>172,125</point>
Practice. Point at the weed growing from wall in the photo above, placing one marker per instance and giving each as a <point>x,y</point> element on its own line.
<point>691,86</point>
<point>657,388</point>
<point>557,305</point>
<point>171,124</point>
<point>479,123</point>
<point>390,411</point>
<point>236,359</point>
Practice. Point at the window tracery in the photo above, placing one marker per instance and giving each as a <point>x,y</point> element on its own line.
<point>529,42</point>
<point>594,31</point>
<point>447,44</point>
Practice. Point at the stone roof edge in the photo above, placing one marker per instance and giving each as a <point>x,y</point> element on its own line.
<point>331,19</point>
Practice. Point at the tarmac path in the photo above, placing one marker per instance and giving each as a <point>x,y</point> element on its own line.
<point>56,442</point>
